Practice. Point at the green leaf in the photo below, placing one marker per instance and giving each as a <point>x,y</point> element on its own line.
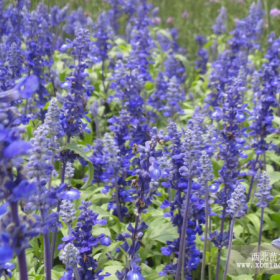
<point>166,34</point>
<point>268,222</point>
<point>187,114</point>
<point>276,120</point>
<point>184,60</point>
<point>275,277</point>
<point>112,270</point>
<point>276,219</point>
<point>273,157</point>
<point>208,44</point>
<point>120,41</point>
<point>57,272</point>
<point>149,85</point>
<point>163,233</point>
<point>255,220</point>
<point>97,230</point>
<point>148,273</point>
<point>274,177</point>
<point>240,277</point>
<point>81,153</point>
<point>102,213</point>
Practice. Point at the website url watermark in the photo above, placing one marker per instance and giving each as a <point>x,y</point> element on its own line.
<point>258,265</point>
<point>247,259</point>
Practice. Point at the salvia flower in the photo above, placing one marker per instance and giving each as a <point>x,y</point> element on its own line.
<point>114,13</point>
<point>97,160</point>
<point>19,236</point>
<point>5,269</point>
<point>67,211</point>
<point>219,25</point>
<point>120,127</point>
<point>78,86</point>
<point>158,97</point>
<point>16,230</point>
<point>174,68</point>
<point>15,67</point>
<point>114,167</point>
<point>206,165</point>
<point>202,54</point>
<point>84,241</point>
<point>264,196</point>
<point>69,172</point>
<point>103,35</point>
<point>218,239</point>
<point>236,204</point>
<point>52,120</point>
<point>75,21</point>
<point>38,167</point>
<point>145,189</point>
<point>174,96</point>
<point>70,256</point>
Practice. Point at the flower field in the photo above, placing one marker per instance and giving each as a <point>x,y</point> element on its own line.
<point>138,142</point>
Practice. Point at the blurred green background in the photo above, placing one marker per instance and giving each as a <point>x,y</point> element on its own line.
<point>202,14</point>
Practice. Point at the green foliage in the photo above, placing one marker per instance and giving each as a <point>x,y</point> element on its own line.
<point>81,153</point>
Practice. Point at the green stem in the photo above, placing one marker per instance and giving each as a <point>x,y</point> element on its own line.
<point>260,241</point>
<point>209,249</point>
<point>183,232</point>
<point>229,249</point>
<point>205,233</point>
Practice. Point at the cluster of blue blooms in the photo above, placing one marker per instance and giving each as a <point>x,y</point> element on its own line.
<point>16,229</point>
<point>132,162</point>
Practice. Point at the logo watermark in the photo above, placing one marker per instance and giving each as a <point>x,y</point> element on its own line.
<point>245,259</point>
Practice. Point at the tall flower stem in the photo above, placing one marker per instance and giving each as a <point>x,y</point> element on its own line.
<point>183,260</point>
<point>69,229</point>
<point>103,77</point>
<point>183,232</point>
<point>47,251</point>
<point>47,248</point>
<point>52,160</point>
<point>118,200</point>
<point>229,248</point>
<point>26,107</point>
<point>220,249</point>
<point>264,161</point>
<point>76,273</point>
<point>136,227</point>
<point>169,195</point>
<point>260,240</point>
<point>278,109</point>
<point>215,49</point>
<point>22,265</point>
<point>136,222</point>
<point>205,232</point>
<point>97,128</point>
<point>52,249</point>
<point>63,172</point>
<point>209,249</point>
<point>251,183</point>
<point>21,256</point>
